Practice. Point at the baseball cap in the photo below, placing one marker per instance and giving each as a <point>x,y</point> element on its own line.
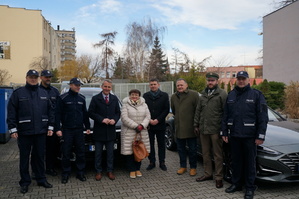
<point>32,72</point>
<point>242,74</point>
<point>46,73</point>
<point>75,80</point>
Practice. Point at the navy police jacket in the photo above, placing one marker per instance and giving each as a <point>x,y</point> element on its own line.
<point>245,114</point>
<point>29,111</point>
<point>52,92</point>
<point>71,111</point>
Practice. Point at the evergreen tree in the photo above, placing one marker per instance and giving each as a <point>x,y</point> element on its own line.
<point>228,87</point>
<point>157,65</point>
<point>222,85</point>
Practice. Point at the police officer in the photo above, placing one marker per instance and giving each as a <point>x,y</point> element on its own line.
<point>244,126</point>
<point>30,118</point>
<point>52,143</point>
<point>70,120</point>
<point>207,125</point>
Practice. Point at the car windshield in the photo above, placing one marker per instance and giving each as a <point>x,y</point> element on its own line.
<point>89,93</point>
<point>273,116</point>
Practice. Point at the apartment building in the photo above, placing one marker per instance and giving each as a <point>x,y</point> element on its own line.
<point>26,37</point>
<point>67,40</point>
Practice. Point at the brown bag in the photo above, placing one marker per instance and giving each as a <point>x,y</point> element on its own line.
<point>139,148</point>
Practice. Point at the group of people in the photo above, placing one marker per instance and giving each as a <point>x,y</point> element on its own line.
<point>239,118</point>
<point>38,115</point>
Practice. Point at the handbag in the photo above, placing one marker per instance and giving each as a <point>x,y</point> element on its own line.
<point>139,149</point>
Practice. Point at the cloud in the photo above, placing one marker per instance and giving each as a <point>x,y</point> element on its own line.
<point>100,8</point>
<point>214,15</point>
<point>234,55</point>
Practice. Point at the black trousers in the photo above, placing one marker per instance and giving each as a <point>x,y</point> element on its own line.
<point>32,144</point>
<point>132,165</point>
<point>73,138</point>
<point>243,151</point>
<point>160,135</point>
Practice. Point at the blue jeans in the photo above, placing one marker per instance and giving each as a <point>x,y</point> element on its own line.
<point>99,155</point>
<point>192,145</point>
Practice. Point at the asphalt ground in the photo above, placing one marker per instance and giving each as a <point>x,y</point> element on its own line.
<point>153,184</point>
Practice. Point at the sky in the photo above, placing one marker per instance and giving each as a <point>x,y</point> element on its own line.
<point>227,30</point>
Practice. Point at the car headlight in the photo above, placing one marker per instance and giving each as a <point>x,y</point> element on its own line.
<point>268,151</point>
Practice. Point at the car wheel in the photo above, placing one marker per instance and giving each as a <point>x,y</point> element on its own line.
<point>169,139</point>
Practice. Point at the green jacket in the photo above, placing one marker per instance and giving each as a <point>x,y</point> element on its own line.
<point>209,111</point>
<point>183,107</point>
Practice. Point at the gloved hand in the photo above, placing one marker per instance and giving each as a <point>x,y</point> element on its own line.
<point>196,131</point>
<point>139,128</point>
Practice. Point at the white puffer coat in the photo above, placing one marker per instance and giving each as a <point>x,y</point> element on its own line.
<point>131,117</point>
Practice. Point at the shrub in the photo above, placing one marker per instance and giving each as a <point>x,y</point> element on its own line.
<point>292,100</point>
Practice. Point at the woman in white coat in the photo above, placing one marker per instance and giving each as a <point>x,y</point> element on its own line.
<point>135,118</point>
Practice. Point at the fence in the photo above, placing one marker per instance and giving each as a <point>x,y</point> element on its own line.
<point>119,89</point>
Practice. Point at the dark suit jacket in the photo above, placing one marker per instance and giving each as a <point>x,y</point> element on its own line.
<point>98,110</point>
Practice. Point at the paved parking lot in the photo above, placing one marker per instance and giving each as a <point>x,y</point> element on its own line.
<point>153,184</point>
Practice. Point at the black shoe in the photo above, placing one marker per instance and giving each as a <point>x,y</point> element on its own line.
<point>233,188</point>
<point>64,179</point>
<point>81,177</point>
<point>51,172</point>
<point>24,189</point>
<point>249,194</point>
<point>163,167</point>
<point>45,184</point>
<point>151,166</point>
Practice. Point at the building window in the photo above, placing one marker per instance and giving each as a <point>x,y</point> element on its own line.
<point>227,74</point>
<point>222,75</point>
<point>4,50</point>
<point>234,74</point>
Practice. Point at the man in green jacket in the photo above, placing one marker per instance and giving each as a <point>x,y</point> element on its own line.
<point>183,105</point>
<point>207,124</point>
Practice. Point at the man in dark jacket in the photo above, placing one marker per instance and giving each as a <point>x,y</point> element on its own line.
<point>52,143</point>
<point>244,125</point>
<point>30,119</point>
<point>158,104</point>
<point>105,111</point>
<point>70,120</point>
<point>207,125</point>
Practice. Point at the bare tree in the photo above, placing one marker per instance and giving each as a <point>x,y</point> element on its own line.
<point>40,63</point>
<point>107,50</point>
<point>140,38</point>
<point>283,3</point>
<point>4,76</point>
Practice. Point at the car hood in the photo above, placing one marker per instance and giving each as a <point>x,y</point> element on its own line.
<point>287,124</point>
<point>282,139</point>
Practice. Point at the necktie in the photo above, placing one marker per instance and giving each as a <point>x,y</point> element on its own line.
<point>106,99</point>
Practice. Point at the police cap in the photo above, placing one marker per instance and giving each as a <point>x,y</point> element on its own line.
<point>46,73</point>
<point>76,81</point>
<point>32,73</point>
<point>242,74</point>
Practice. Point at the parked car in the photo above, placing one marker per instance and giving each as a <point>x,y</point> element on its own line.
<point>277,157</point>
<point>89,92</point>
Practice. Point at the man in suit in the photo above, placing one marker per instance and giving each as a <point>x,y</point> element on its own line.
<point>105,111</point>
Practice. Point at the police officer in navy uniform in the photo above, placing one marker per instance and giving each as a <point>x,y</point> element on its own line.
<point>244,127</point>
<point>52,142</point>
<point>70,121</point>
<point>30,118</point>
